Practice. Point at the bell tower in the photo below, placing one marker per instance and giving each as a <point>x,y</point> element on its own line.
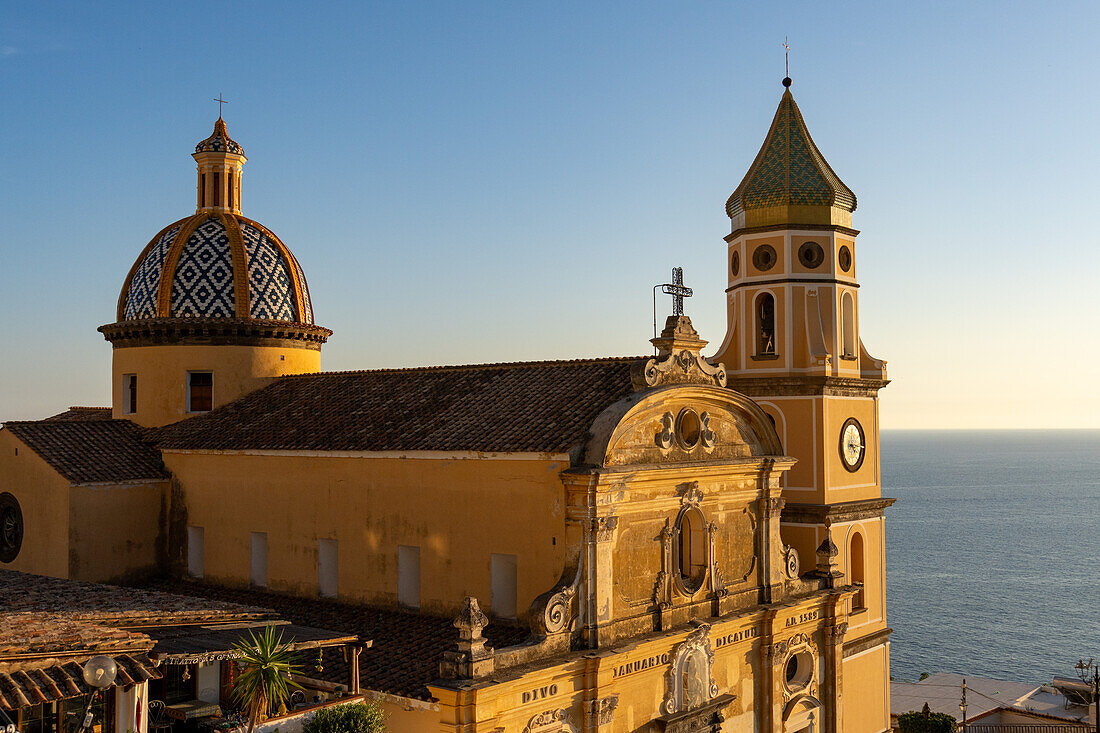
<point>793,344</point>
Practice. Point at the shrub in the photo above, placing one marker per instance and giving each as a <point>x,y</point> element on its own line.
<point>352,718</point>
<point>926,722</point>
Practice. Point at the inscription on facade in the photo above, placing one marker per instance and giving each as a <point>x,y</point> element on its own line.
<point>734,637</point>
<point>538,693</point>
<point>623,670</point>
<point>803,618</point>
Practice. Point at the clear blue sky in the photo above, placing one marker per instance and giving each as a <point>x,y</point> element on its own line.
<point>468,182</point>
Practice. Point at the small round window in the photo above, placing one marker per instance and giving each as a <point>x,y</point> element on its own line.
<point>688,428</point>
<point>764,258</point>
<point>690,549</point>
<point>735,263</point>
<point>811,255</point>
<point>11,527</point>
<point>844,257</point>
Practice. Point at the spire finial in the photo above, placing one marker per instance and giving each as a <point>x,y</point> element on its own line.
<point>220,102</point>
<point>786,63</point>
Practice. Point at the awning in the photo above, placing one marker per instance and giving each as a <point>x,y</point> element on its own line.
<point>34,685</point>
<point>212,643</point>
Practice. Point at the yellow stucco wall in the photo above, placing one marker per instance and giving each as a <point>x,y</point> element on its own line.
<point>162,375</point>
<point>867,690</point>
<point>457,511</point>
<point>43,497</point>
<point>113,530</point>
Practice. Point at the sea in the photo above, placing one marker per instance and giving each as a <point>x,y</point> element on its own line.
<point>992,552</point>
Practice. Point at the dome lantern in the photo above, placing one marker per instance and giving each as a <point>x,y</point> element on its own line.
<point>220,159</point>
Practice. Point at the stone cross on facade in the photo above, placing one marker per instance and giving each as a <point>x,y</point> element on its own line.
<point>677,290</point>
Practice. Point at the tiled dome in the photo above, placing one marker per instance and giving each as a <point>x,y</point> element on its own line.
<point>219,141</point>
<point>216,265</point>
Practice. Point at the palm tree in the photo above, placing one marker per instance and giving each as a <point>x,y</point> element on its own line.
<point>265,678</point>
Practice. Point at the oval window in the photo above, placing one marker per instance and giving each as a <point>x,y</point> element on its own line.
<point>688,428</point>
<point>735,263</point>
<point>799,670</point>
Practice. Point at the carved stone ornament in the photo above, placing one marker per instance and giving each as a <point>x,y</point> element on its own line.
<point>835,634</point>
<point>690,494</point>
<point>469,657</point>
<point>790,562</point>
<point>679,359</point>
<point>549,721</point>
<point>665,435</point>
<point>602,711</point>
<point>717,581</point>
<point>603,528</point>
<point>800,644</point>
<point>706,436</point>
<point>689,683</point>
<point>554,612</point>
<point>775,654</point>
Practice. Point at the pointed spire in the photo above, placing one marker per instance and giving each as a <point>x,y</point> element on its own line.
<point>790,182</point>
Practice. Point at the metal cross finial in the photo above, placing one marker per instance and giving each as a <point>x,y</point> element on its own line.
<point>220,102</point>
<point>677,290</point>
<point>786,57</point>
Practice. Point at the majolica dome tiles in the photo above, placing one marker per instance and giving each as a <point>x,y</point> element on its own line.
<point>789,170</point>
<point>219,141</point>
<point>216,266</point>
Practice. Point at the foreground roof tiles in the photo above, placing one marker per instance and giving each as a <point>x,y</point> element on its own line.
<point>522,407</point>
<point>92,451</point>
<point>406,650</point>
<point>77,413</point>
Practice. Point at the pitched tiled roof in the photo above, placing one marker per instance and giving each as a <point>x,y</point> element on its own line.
<point>789,169</point>
<point>76,413</point>
<point>406,649</point>
<point>91,451</point>
<point>522,407</point>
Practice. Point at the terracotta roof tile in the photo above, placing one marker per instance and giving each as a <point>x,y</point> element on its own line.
<point>406,649</point>
<point>520,407</point>
<point>91,451</point>
<point>78,413</point>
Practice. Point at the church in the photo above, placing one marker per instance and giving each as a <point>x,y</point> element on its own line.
<point>666,543</point>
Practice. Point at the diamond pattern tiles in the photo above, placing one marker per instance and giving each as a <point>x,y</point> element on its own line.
<point>141,299</point>
<point>307,305</point>
<point>269,283</point>
<point>203,282</point>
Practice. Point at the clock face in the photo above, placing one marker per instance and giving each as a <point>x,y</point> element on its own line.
<point>852,444</point>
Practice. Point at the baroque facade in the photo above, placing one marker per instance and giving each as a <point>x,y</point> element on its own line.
<point>667,543</point>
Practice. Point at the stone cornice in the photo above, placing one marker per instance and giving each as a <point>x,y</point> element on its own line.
<point>792,227</point>
<point>855,646</point>
<point>845,511</point>
<point>794,386</point>
<point>214,332</point>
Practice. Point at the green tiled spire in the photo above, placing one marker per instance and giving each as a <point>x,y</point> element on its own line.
<point>789,170</point>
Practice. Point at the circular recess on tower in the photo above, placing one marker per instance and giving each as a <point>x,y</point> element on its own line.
<point>735,263</point>
<point>811,255</point>
<point>764,258</point>
<point>844,257</point>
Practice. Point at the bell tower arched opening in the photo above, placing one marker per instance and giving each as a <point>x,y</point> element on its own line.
<point>765,325</point>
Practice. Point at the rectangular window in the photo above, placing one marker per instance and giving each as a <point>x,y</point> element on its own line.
<point>217,189</point>
<point>503,585</point>
<point>129,394</point>
<point>202,190</point>
<point>408,576</point>
<point>195,552</point>
<point>258,571</point>
<point>200,391</point>
<point>327,568</point>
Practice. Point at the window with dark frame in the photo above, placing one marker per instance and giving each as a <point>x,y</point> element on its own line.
<point>200,391</point>
<point>131,393</point>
